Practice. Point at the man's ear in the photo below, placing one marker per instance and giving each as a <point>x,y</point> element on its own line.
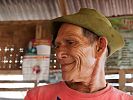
<point>101,46</point>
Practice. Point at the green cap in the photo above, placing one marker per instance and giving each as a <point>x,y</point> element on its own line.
<point>95,22</point>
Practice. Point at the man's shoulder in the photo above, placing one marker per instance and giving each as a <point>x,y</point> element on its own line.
<point>122,94</point>
<point>48,87</point>
<point>51,85</point>
<point>42,91</point>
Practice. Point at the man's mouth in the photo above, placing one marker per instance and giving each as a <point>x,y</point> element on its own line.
<point>67,66</point>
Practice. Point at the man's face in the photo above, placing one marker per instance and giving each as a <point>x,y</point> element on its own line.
<point>75,54</point>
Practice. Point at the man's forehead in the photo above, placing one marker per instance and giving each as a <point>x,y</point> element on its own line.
<point>70,29</point>
<point>71,32</point>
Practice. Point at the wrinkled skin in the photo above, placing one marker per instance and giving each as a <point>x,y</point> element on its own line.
<point>80,62</point>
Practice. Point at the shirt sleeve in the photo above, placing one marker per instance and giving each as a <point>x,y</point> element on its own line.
<point>27,97</point>
<point>32,94</point>
<point>130,97</point>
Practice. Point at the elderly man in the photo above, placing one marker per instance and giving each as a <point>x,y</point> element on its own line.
<point>83,41</point>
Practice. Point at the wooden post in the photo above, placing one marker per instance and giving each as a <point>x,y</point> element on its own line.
<point>122,80</point>
<point>38,31</point>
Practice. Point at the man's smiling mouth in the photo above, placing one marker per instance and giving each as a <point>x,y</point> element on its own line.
<point>67,66</point>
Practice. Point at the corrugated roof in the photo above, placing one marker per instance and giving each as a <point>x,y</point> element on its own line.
<point>49,9</point>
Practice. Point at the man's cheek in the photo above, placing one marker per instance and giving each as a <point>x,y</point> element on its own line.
<point>76,51</point>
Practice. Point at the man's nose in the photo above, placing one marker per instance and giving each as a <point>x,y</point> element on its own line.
<point>61,55</point>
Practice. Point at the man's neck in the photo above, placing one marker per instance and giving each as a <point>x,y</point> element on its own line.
<point>97,82</point>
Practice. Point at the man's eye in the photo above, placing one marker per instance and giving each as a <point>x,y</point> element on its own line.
<point>70,42</point>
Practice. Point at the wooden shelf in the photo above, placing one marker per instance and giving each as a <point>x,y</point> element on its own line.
<point>11,72</point>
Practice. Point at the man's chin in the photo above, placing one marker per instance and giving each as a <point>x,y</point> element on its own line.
<point>69,78</point>
<point>66,78</point>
